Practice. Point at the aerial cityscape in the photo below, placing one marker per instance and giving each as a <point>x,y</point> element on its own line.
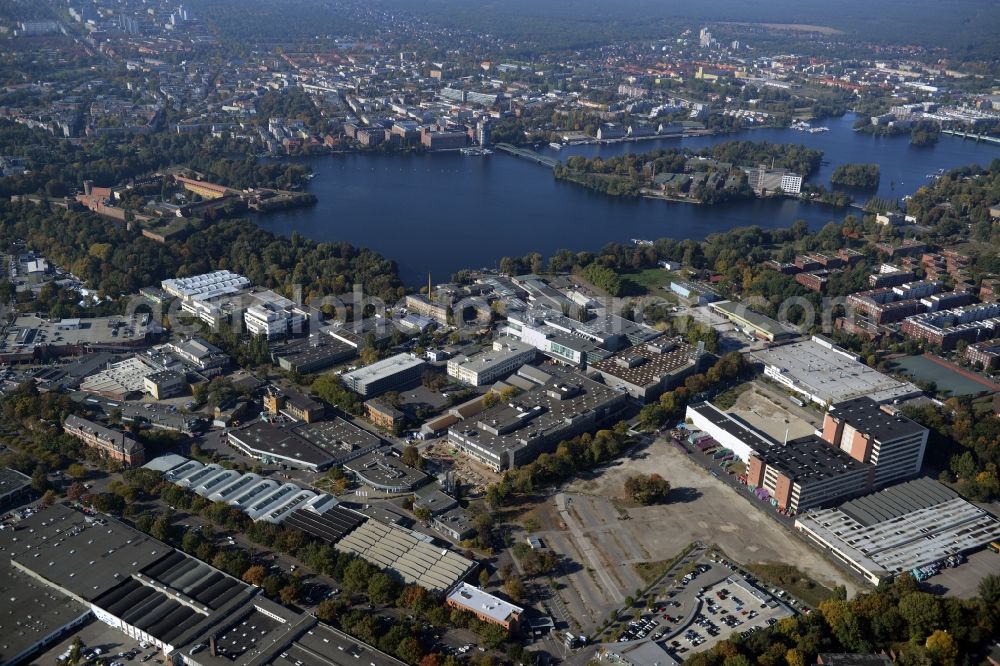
<point>341,333</point>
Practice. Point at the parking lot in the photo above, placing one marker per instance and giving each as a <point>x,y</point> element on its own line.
<point>100,641</point>
<point>963,581</point>
<point>712,602</point>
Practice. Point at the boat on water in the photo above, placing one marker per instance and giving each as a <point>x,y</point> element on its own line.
<point>817,130</point>
<point>475,152</point>
<point>555,146</point>
<point>640,241</point>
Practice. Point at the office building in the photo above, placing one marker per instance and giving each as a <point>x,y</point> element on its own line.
<point>555,404</point>
<point>573,342</point>
<point>903,528</point>
<point>165,384</point>
<point>272,315</point>
<point>111,444</point>
<point>293,404</point>
<point>389,374</point>
<point>486,607</point>
<point>806,472</point>
<point>878,435</point>
<point>506,355</point>
<point>823,373</point>
<point>646,370</point>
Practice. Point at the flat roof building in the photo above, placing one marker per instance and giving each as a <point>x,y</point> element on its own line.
<point>485,606</point>
<point>824,373</point>
<point>14,487</point>
<point>646,370</point>
<point>753,323</point>
<point>386,472</point>
<point>32,337</point>
<point>192,612</point>
<point>506,355</point>
<point>316,353</point>
<point>902,528</point>
<point>388,374</point>
<point>878,435</point>
<point>274,444</point>
<point>807,472</point>
<point>556,404</point>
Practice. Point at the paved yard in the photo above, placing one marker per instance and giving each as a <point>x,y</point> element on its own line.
<point>963,580</point>
<point>765,412</point>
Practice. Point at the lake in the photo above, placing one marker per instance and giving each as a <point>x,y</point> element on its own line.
<point>440,212</point>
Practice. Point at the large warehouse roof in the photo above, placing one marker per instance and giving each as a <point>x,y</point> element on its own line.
<point>904,527</point>
<point>415,561</point>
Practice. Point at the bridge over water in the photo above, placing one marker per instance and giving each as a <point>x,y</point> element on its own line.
<point>527,154</point>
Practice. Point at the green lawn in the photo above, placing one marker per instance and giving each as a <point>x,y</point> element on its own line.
<point>648,281</point>
<point>793,581</point>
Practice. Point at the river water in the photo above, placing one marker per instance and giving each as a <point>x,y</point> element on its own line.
<point>438,213</point>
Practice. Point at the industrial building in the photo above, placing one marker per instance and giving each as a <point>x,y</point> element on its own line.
<point>878,435</point>
<point>752,323</point>
<point>279,445</point>
<point>555,404</point>
<point>824,373</point>
<point>647,370</point>
<point>413,560</point>
<point>31,337</point>
<point>111,444</point>
<point>14,487</point>
<point>206,286</point>
<point>797,474</point>
<point>486,607</point>
<point>903,528</point>
<point>694,293</point>
<point>729,431</point>
<point>198,354</point>
<point>389,374</point>
<point>65,567</point>
<point>260,499</point>
<point>385,471</point>
<point>311,355</point>
<point>504,357</point>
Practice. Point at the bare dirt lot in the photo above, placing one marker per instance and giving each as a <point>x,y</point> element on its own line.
<point>583,523</point>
